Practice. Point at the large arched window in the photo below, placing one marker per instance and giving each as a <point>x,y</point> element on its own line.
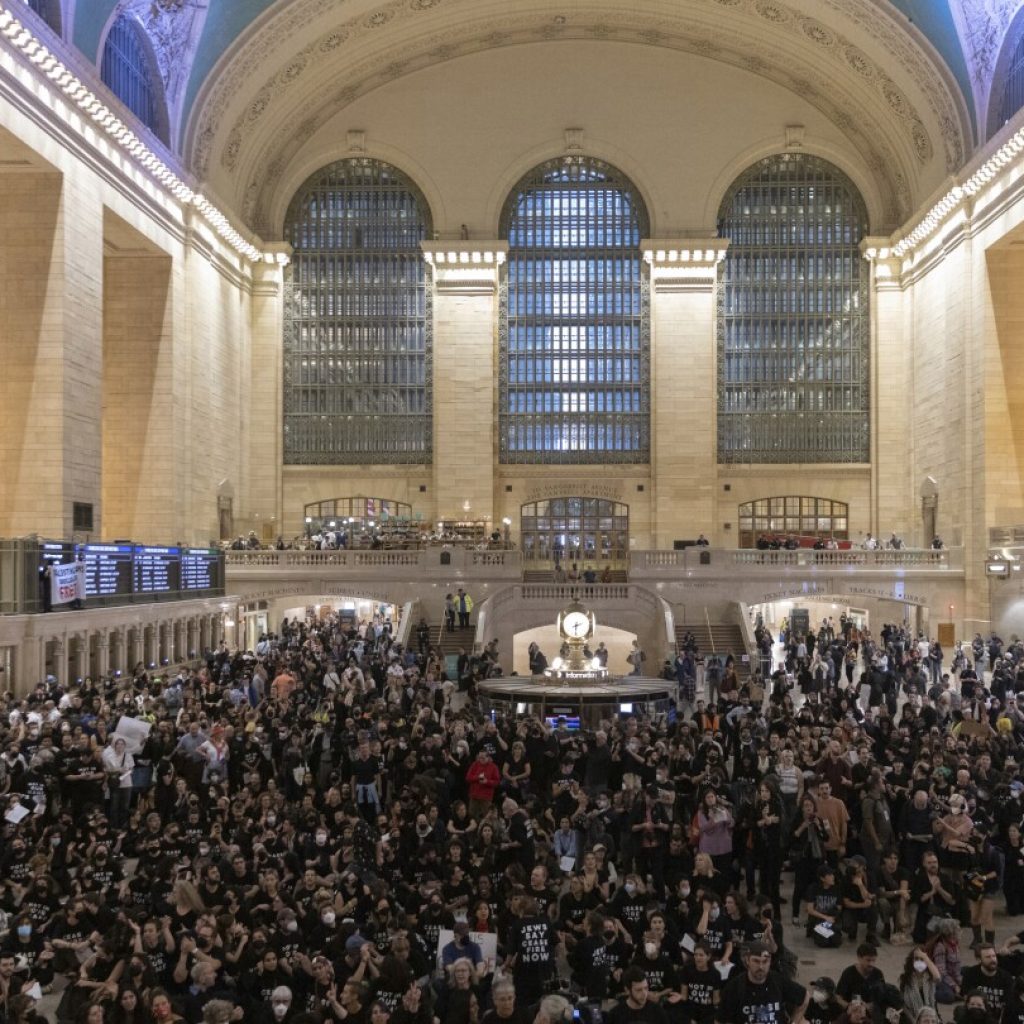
<point>793,332</point>
<point>574,360</point>
<point>130,71</point>
<point>49,11</point>
<point>793,514</point>
<point>1011,95</point>
<point>357,331</point>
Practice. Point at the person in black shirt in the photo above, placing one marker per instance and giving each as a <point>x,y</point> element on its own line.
<point>657,968</point>
<point>822,905</point>
<point>701,986</point>
<point>861,979</point>
<point>534,939</point>
<point>823,1008</point>
<point>759,995</point>
<point>637,1007</point>
<point>988,978</point>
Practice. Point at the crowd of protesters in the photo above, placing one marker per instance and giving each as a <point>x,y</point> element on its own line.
<point>329,829</point>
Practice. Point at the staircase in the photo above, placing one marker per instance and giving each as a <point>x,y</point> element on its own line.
<point>720,638</point>
<point>450,642</point>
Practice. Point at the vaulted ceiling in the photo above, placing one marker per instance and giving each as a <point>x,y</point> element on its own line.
<point>251,81</point>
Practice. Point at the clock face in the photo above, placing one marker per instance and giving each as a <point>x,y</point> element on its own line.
<point>576,624</point>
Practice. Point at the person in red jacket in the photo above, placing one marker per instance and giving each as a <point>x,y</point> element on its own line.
<point>483,778</point>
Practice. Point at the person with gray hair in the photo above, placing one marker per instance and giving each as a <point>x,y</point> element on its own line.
<point>553,1009</point>
<point>218,1011</point>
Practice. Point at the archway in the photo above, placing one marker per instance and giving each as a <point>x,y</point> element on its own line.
<point>617,641</point>
<point>590,532</point>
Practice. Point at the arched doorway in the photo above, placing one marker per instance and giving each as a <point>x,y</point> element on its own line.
<point>801,516</point>
<point>587,531</point>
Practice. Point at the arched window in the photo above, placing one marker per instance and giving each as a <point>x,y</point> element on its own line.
<point>585,531</point>
<point>130,71</point>
<point>1011,99</point>
<point>574,338</point>
<point>798,515</point>
<point>357,331</point>
<point>793,332</point>
<point>49,11</point>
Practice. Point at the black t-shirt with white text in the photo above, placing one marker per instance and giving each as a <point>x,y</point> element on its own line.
<point>771,1002</point>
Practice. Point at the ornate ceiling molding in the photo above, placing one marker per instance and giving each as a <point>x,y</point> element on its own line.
<point>378,45</point>
<point>982,27</point>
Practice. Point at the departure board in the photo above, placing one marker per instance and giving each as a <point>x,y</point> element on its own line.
<point>108,570</point>
<point>157,571</point>
<point>200,568</point>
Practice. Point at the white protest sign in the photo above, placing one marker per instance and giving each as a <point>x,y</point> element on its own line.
<point>67,582</point>
<point>134,733</point>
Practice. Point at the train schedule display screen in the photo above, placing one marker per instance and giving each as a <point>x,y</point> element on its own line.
<point>157,571</point>
<point>108,570</point>
<point>200,569</point>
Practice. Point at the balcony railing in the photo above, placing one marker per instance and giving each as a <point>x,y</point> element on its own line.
<point>695,559</point>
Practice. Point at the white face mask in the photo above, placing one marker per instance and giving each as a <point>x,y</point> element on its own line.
<point>819,997</point>
<point>291,926</point>
<point>713,914</point>
<point>684,891</point>
<point>920,966</point>
<point>280,1009</point>
<point>651,949</point>
<point>630,888</point>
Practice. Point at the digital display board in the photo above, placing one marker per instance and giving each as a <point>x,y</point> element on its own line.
<point>200,568</point>
<point>56,551</point>
<point>108,570</point>
<point>157,570</point>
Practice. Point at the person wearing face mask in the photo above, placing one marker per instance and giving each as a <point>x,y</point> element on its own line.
<point>603,955</point>
<point>713,930</point>
<point>918,982</point>
<point>977,1011</point>
<point>628,904</point>
<point>823,1008</point>
<point>280,1005</point>
<point>658,970</point>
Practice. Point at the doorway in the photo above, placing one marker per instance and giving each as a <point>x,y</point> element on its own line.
<point>575,530</point>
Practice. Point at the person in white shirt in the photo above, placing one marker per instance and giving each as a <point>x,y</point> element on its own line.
<point>118,765</point>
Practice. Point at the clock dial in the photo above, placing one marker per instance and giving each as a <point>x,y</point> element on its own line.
<point>576,624</point>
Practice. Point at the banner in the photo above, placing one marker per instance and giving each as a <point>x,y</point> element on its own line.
<point>67,582</point>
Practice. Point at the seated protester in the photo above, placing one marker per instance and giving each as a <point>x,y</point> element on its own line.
<point>713,930</point>
<point>988,978</point>
<point>859,903</point>
<point>944,950</point>
<point>202,989</point>
<point>657,968</point>
<point>977,1011</point>
<point>31,949</point>
<point>573,909</point>
<point>603,955</point>
<point>918,982</point>
<point>823,909</point>
<point>462,947</point>
<point>862,979</point>
<point>823,1008</point>
<point>934,894</point>
<point>505,1010</point>
<point>743,929</point>
<point>70,935</point>
<point>700,985</point>
<point>893,893</point>
<point>637,1004</point>
<point>760,994</point>
<point>459,998</point>
<point>628,904</point>
<point>257,985</point>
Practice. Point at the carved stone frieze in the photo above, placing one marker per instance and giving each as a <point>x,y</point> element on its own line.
<point>679,32</point>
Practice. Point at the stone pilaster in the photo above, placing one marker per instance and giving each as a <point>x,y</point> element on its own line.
<point>683,373</point>
<point>465,383</point>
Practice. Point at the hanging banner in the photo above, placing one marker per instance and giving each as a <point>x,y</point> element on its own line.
<point>67,582</point>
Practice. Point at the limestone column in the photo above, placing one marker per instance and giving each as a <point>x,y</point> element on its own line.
<point>103,653</point>
<point>892,402</point>
<point>683,387</point>
<point>51,283</point>
<point>464,378</point>
<point>60,660</point>
<point>81,659</point>
<point>264,495</point>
